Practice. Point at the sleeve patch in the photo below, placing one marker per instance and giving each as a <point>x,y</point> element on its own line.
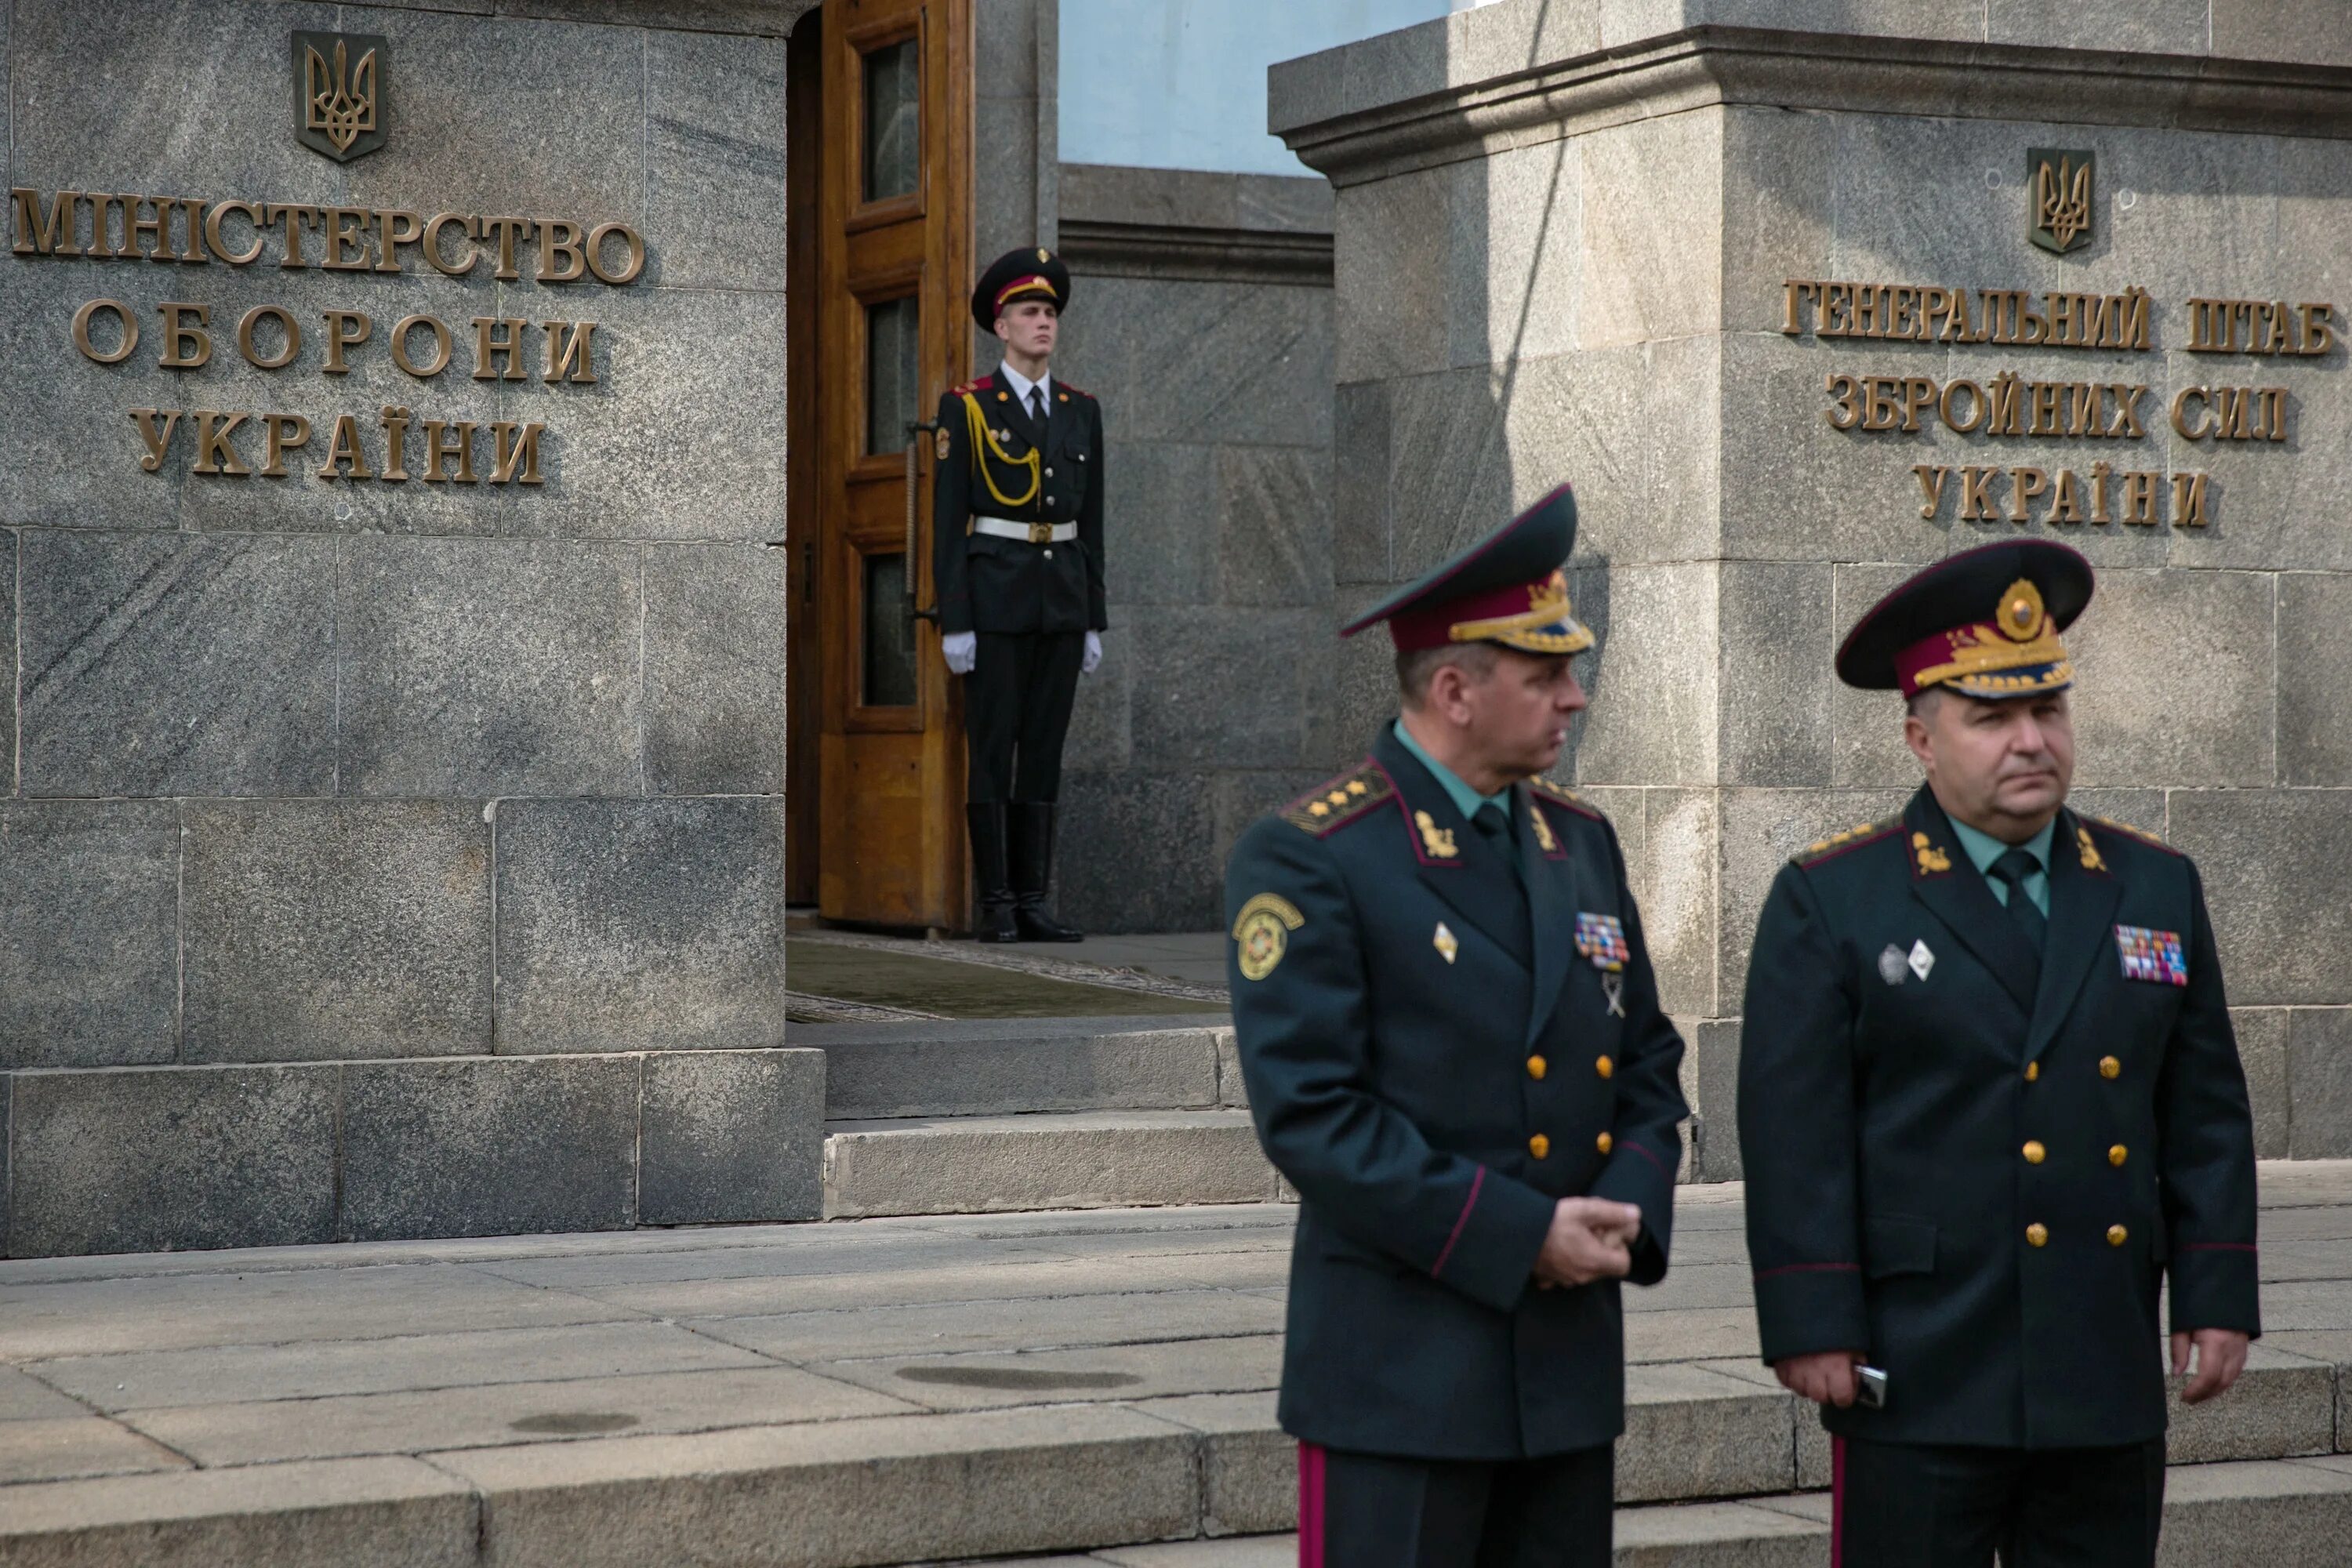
<point>1263,930</point>
<point>1338,801</point>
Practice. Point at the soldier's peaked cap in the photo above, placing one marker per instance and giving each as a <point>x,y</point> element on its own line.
<point>1508,588</point>
<point>1984,622</point>
<point>1032,273</point>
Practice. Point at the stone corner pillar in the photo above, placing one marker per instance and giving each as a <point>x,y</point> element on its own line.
<point>1636,244</point>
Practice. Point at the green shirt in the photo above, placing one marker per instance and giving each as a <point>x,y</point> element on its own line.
<point>1466,800</point>
<point>1983,850</point>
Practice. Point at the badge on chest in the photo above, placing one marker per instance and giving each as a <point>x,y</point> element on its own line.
<point>2155,956</point>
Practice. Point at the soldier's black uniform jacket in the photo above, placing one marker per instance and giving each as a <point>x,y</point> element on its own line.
<point>1980,1178</point>
<point>1433,1063</point>
<point>986,442</point>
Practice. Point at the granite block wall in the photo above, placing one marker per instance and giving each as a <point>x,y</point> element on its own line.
<point>369,834</point>
<point>1548,270</point>
<point>1201,317</point>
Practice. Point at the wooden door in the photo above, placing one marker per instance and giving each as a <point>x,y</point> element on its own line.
<point>894,264</point>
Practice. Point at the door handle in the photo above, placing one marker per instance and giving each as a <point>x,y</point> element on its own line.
<point>915,432</point>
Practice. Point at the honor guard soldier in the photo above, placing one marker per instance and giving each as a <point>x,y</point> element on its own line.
<point>1455,1051</point>
<point>1990,1102</point>
<point>1017,558</point>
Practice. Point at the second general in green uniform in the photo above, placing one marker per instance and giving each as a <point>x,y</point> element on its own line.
<point>1990,1103</point>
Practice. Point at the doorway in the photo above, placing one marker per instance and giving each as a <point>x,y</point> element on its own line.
<point>880,229</point>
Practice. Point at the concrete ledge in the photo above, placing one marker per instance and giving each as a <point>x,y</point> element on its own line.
<point>1177,222</point>
<point>348,1513</point>
<point>890,1490</point>
<point>928,1071</point>
<point>985,1165</point>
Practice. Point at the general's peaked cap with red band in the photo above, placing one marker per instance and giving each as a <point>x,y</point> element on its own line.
<point>1984,622</point>
<point>1510,588</point>
<point>1033,273</point>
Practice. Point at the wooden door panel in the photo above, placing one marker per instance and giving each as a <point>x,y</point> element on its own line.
<point>894,222</point>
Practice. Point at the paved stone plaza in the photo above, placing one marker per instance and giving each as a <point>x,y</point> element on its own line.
<point>898,1391</point>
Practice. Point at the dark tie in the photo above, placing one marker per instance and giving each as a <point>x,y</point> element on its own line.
<point>1037,404</point>
<point>1495,825</point>
<point>2014,867</point>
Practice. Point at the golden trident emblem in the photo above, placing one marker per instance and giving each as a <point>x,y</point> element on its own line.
<point>341,104</point>
<point>2062,199</point>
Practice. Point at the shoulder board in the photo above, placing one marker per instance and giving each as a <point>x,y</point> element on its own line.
<point>979,383</point>
<point>1338,801</point>
<point>2128,831</point>
<point>1551,792</point>
<point>1837,844</point>
<point>1073,391</point>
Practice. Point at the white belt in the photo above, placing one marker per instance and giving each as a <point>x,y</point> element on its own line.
<point>1035,533</point>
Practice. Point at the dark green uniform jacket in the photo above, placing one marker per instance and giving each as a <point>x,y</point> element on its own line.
<point>1979,1178</point>
<point>1431,1063</point>
<point>990,584</point>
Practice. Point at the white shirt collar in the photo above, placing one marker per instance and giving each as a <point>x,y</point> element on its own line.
<point>1022,384</point>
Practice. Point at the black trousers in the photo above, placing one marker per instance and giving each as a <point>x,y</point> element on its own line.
<point>1016,713</point>
<point>1903,1505</point>
<point>1364,1510</point>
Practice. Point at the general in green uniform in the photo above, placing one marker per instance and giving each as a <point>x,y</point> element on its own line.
<point>1990,1102</point>
<point>1455,1051</point>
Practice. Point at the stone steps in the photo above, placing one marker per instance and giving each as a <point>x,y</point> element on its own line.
<point>2247,1514</point>
<point>1065,1160</point>
<point>956,1485</point>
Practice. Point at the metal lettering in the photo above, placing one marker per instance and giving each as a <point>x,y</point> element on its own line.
<point>2100,474</point>
<point>82,331</point>
<point>431,244</point>
<point>570,358</point>
<point>522,454</point>
<point>286,432</point>
<point>56,232</point>
<point>1931,488</point>
<point>400,347</point>
<point>156,441</point>
<point>1976,406</point>
<point>2067,505</point>
<point>487,346</point>
<point>2127,400</point>
<point>345,329</point>
<point>392,230</point>
<point>436,449</point>
<point>1880,409</point>
<point>1850,405</point>
<point>293,216</point>
<point>2045,398</point>
<point>2180,414</point>
<point>396,441</point>
<point>505,229</point>
<point>2271,424</point>
<point>2233,412</point>
<point>2188,501</point>
<point>343,448</point>
<point>2083,409</point>
<point>178,334</point>
<point>286,324</point>
<point>1797,290</point>
<point>215,455</point>
<point>1975,495</point>
<point>2024,484</point>
<point>634,248</point>
<point>2004,413</point>
<point>2318,334</point>
<point>562,258</point>
<point>158,229</point>
<point>347,239</point>
<point>2139,498</point>
<point>213,217</point>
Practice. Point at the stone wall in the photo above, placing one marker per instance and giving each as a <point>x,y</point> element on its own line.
<point>361,839</point>
<point>1201,317</point>
<point>1561,236</point>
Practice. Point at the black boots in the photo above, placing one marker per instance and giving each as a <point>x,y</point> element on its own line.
<point>993,887</point>
<point>1033,867</point>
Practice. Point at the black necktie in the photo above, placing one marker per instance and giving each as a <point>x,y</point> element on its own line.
<point>1037,404</point>
<point>1495,826</point>
<point>2014,867</point>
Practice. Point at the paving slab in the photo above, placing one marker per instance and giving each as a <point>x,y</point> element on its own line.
<point>992,1381</point>
<point>24,1397</point>
<point>272,1431</point>
<point>225,1374</point>
<point>70,1446</point>
<point>952,1328</point>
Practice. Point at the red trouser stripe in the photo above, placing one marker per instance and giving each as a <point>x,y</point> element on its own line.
<point>1311,1506</point>
<point>1837,1502</point>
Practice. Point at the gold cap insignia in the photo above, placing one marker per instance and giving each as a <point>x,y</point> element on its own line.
<point>2022,613</point>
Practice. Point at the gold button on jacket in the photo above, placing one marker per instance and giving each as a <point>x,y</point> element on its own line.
<point>1540,1145</point>
<point>2117,1236</point>
<point>2032,1071</point>
<point>1604,1066</point>
<point>2034,1153</point>
<point>2110,1068</point>
<point>1537,1067</point>
<point>2038,1235</point>
<point>2118,1155</point>
<point>1604,1142</point>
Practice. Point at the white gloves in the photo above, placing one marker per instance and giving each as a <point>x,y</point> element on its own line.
<point>960,649</point>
